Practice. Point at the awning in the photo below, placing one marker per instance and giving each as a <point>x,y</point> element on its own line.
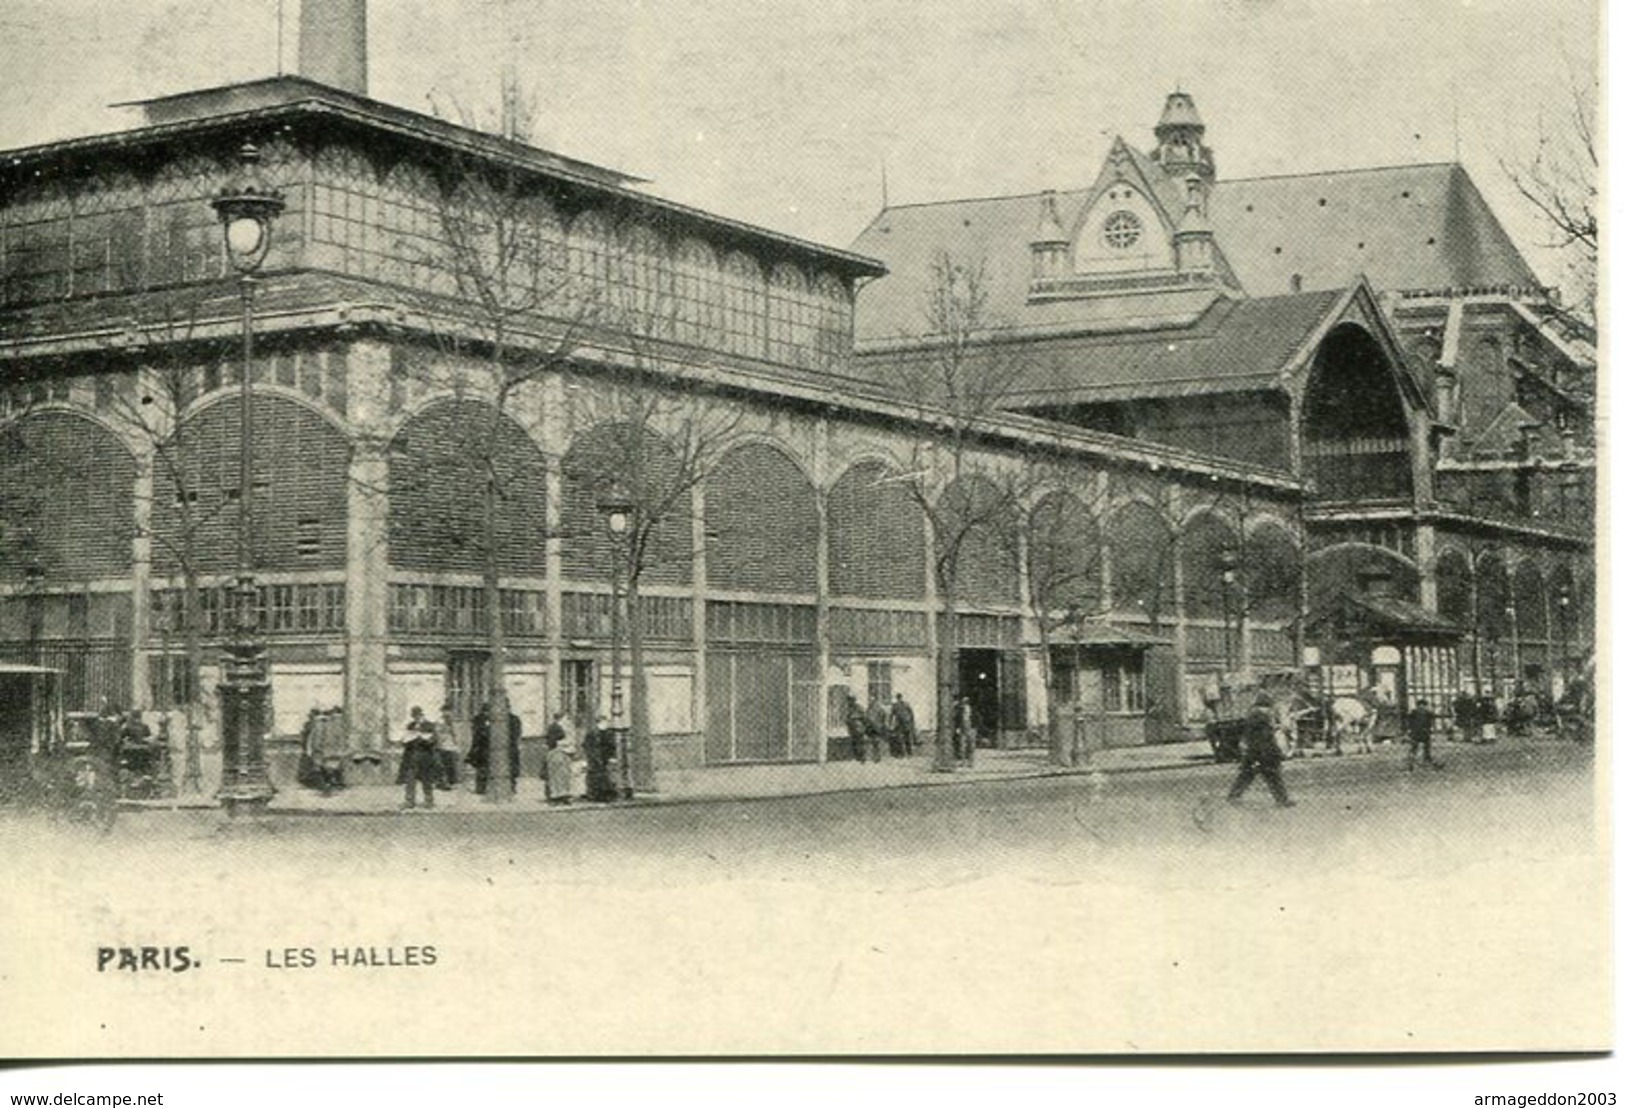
<point>1382,616</point>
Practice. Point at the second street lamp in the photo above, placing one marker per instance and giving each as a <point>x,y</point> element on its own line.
<point>1227,581</point>
<point>616,507</point>
<point>248,208</point>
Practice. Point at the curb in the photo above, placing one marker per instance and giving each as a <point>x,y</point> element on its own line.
<point>935,780</point>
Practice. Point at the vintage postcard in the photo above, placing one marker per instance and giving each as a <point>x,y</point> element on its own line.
<point>777,529</point>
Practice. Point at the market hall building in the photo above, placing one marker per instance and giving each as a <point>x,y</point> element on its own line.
<point>1374,333</point>
<point>802,570</point>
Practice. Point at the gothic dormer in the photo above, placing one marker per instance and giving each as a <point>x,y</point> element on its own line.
<point>1180,150</point>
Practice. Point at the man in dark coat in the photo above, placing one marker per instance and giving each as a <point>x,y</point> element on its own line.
<point>598,745</point>
<point>903,730</point>
<point>1419,730</point>
<point>479,750</point>
<point>1260,755</point>
<point>419,760</point>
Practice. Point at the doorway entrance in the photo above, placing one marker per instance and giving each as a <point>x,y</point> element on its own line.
<point>979,682</point>
<point>579,691</point>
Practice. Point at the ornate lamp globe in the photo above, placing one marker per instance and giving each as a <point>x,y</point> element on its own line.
<point>616,507</point>
<point>247,208</point>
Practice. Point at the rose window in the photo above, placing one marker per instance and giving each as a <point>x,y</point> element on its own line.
<point>1122,230</point>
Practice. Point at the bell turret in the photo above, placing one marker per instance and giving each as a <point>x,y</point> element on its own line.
<point>1180,150</point>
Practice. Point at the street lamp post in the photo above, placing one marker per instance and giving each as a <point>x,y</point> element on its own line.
<point>1227,578</point>
<point>617,507</point>
<point>34,581</point>
<point>1563,602</point>
<point>248,208</point>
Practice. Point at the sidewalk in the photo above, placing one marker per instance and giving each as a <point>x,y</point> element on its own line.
<point>751,782</point>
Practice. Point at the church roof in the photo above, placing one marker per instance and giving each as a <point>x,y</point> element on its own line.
<point>1405,227</point>
<point>1233,345</point>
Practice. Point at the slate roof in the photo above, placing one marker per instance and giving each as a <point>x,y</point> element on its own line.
<point>1404,227</point>
<point>1233,345</point>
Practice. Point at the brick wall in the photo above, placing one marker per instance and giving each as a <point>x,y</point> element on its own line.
<point>765,518</point>
<point>436,512</point>
<point>604,453</point>
<point>67,499</point>
<point>301,474</point>
<point>876,538</point>
<point>987,569</point>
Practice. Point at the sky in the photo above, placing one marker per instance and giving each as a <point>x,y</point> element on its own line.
<point>788,114</point>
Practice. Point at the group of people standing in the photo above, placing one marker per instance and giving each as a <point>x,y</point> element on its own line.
<point>429,757</point>
<point>881,728</point>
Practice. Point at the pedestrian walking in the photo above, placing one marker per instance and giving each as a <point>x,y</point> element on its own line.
<point>1419,730</point>
<point>419,760</point>
<point>964,732</point>
<point>903,730</point>
<point>1260,756</point>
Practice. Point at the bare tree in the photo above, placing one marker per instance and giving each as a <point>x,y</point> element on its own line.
<point>1058,537</point>
<point>961,378</point>
<point>1559,181</point>
<point>516,318</point>
<point>654,447</point>
<point>150,408</point>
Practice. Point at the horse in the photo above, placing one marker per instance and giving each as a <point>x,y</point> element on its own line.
<point>1352,717</point>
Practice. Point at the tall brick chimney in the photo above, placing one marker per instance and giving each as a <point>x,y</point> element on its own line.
<point>333,43</point>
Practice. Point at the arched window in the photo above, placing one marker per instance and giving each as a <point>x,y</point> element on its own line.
<point>650,473</point>
<point>68,507</point>
<point>1356,442</point>
<point>1271,573</point>
<point>1142,561</point>
<point>790,317</point>
<point>760,511</point>
<point>977,520</point>
<point>1064,554</point>
<point>698,306</point>
<point>876,536</point>
<point>744,306</point>
<point>1211,559</point>
<point>643,286</point>
<point>437,477</point>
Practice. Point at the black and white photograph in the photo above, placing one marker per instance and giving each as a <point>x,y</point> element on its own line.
<point>889,530</point>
